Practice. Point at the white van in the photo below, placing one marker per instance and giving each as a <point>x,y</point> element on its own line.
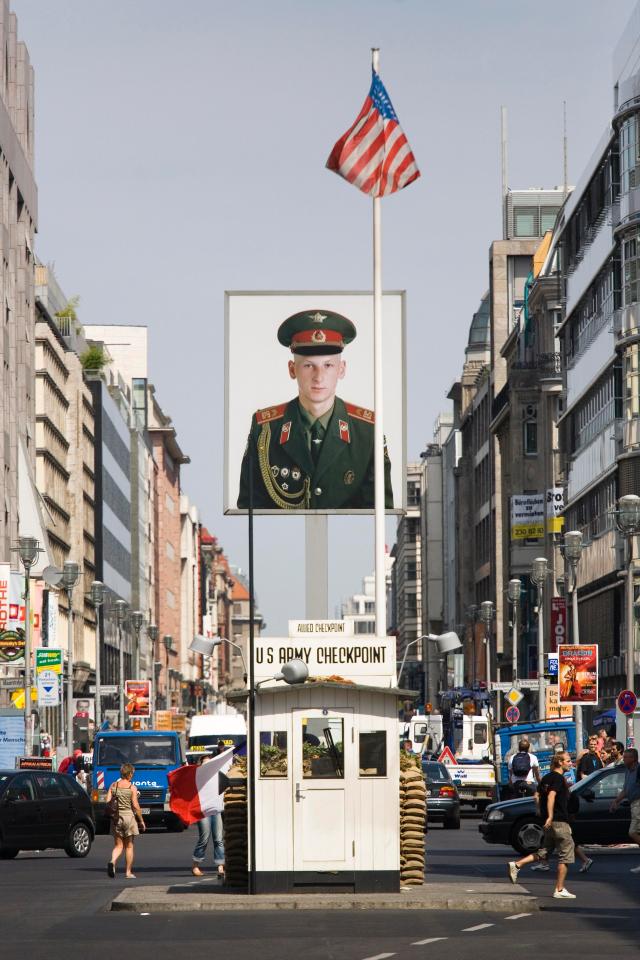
<point>208,729</point>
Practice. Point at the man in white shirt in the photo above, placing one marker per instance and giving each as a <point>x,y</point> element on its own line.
<point>524,768</point>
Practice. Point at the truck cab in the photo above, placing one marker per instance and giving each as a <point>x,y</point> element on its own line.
<point>545,738</point>
<point>153,754</point>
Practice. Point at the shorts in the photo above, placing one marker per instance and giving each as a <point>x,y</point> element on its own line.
<point>634,826</point>
<point>558,838</point>
<point>125,826</point>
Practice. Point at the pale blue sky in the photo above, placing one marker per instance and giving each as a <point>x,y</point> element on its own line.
<point>180,151</point>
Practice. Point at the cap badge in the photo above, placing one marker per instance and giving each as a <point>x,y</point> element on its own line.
<point>317,317</point>
<point>319,336</point>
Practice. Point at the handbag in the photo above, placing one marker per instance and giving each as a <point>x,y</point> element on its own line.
<point>113,810</point>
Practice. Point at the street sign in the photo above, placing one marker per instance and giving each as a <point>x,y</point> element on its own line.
<point>48,683</point>
<point>512,714</point>
<point>447,758</point>
<point>11,683</point>
<point>627,702</point>
<point>529,684</point>
<point>108,688</point>
<point>502,685</point>
<point>514,697</point>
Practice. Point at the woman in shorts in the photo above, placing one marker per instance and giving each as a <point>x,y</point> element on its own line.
<point>124,826</point>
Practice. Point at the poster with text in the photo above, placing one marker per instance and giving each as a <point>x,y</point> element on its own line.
<point>137,695</point>
<point>318,375</point>
<point>578,673</point>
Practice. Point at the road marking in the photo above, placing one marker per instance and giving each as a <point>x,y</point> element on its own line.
<point>517,916</point>
<point>480,926</point>
<point>145,914</point>
<point>421,943</point>
<point>380,956</point>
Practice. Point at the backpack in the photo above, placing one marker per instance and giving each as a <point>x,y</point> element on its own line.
<point>521,764</point>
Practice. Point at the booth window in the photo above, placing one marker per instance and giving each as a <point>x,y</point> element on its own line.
<point>323,748</point>
<point>273,753</point>
<point>373,753</point>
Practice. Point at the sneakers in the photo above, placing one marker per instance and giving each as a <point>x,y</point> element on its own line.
<point>111,869</point>
<point>563,895</point>
<point>634,870</point>
<point>513,871</point>
<point>541,866</point>
<point>586,866</point>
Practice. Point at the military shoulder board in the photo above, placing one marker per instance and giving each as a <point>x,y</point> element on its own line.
<point>270,413</point>
<point>360,413</point>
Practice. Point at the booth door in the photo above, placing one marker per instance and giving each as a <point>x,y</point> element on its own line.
<point>324,782</point>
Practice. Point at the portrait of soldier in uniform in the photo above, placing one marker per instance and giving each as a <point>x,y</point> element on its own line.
<point>316,451</point>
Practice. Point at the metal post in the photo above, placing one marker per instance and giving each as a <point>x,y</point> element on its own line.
<point>28,736</point>
<point>98,695</point>
<point>251,772</point>
<point>514,655</point>
<point>316,541</point>
<point>121,677</point>
<point>630,634</point>
<point>541,692</point>
<point>69,593</point>
<point>575,638</point>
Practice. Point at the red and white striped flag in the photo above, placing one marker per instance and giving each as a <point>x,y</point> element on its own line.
<point>194,789</point>
<point>374,154</point>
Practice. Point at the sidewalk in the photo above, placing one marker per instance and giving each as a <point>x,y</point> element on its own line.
<point>197,897</point>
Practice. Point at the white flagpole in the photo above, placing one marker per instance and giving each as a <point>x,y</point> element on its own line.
<point>378,439</point>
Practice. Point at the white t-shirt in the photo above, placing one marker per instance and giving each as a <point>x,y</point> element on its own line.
<point>530,776</point>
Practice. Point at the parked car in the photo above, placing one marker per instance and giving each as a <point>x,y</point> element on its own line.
<point>443,802</point>
<point>517,823</point>
<point>40,809</point>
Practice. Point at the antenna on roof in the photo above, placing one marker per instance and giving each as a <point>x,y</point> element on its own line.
<point>505,176</point>
<point>565,181</point>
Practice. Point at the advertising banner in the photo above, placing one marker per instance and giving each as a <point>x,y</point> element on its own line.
<point>48,661</point>
<point>11,740</point>
<point>137,695</point>
<point>527,516</point>
<point>299,397</point>
<point>558,622</point>
<point>554,710</point>
<point>578,673</point>
<point>11,616</point>
<point>555,508</point>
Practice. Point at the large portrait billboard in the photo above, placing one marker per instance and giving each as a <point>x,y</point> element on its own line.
<point>578,673</point>
<point>299,417</point>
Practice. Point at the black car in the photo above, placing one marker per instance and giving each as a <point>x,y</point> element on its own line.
<point>443,802</point>
<point>40,809</point>
<point>516,822</point>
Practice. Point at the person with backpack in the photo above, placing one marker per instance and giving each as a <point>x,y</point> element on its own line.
<point>524,770</point>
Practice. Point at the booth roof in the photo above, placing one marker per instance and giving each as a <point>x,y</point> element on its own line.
<point>238,695</point>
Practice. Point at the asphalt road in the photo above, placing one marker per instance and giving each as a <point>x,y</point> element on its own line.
<point>53,907</point>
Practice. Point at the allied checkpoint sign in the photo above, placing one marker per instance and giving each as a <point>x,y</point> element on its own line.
<point>578,673</point>
<point>330,650</point>
<point>257,378</point>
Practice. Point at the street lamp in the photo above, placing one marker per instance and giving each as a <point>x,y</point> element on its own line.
<point>168,643</point>
<point>572,554</point>
<point>514,589</point>
<point>628,523</point>
<point>137,619</point>
<point>472,616</point>
<point>446,643</point>
<point>70,574</point>
<point>539,572</point>
<point>487,612</point>
<point>121,615</point>
<point>28,550</point>
<point>97,599</point>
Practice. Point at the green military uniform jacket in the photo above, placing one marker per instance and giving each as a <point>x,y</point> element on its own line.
<point>284,476</point>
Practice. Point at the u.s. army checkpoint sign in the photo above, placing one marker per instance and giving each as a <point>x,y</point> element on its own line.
<point>366,659</point>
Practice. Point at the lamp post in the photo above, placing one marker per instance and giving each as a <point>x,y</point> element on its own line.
<point>97,598</point>
<point>472,614</point>
<point>28,550</point>
<point>514,589</point>
<point>70,574</point>
<point>152,633</point>
<point>409,643</point>
<point>137,619</point>
<point>121,614</point>
<point>572,553</point>
<point>168,643</point>
<point>487,611</point>
<point>628,523</point>
<point>539,571</point>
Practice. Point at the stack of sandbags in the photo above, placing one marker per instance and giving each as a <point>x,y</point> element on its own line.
<point>235,836</point>
<point>413,817</point>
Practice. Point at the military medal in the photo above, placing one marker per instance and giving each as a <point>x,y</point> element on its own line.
<point>343,426</point>
<point>285,431</point>
<point>349,477</point>
<point>284,472</point>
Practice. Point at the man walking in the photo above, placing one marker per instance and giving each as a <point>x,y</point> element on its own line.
<point>631,792</point>
<point>552,800</point>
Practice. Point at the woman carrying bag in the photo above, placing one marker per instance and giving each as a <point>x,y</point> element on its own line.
<point>126,817</point>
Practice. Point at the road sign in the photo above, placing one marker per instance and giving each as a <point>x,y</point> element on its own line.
<point>502,685</point>
<point>627,702</point>
<point>512,714</point>
<point>529,684</point>
<point>514,697</point>
<point>447,758</point>
<point>11,683</point>
<point>48,682</point>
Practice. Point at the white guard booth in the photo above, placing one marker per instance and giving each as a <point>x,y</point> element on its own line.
<point>327,763</point>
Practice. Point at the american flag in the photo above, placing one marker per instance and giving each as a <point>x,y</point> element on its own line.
<point>374,154</point>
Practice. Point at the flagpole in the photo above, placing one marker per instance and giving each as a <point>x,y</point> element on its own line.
<point>378,438</point>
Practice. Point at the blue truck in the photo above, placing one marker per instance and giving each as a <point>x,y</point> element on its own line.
<point>545,738</point>
<point>154,754</point>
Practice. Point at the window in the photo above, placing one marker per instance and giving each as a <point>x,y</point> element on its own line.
<point>548,216</point>
<point>49,786</point>
<point>373,754</point>
<point>323,748</point>
<point>480,733</point>
<point>608,788</point>
<point>530,438</point>
<point>20,788</point>
<point>273,754</point>
<point>525,221</point>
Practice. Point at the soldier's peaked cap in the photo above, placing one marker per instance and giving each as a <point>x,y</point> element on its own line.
<point>316,331</point>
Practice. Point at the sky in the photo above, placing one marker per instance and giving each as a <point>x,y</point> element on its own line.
<point>180,152</point>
